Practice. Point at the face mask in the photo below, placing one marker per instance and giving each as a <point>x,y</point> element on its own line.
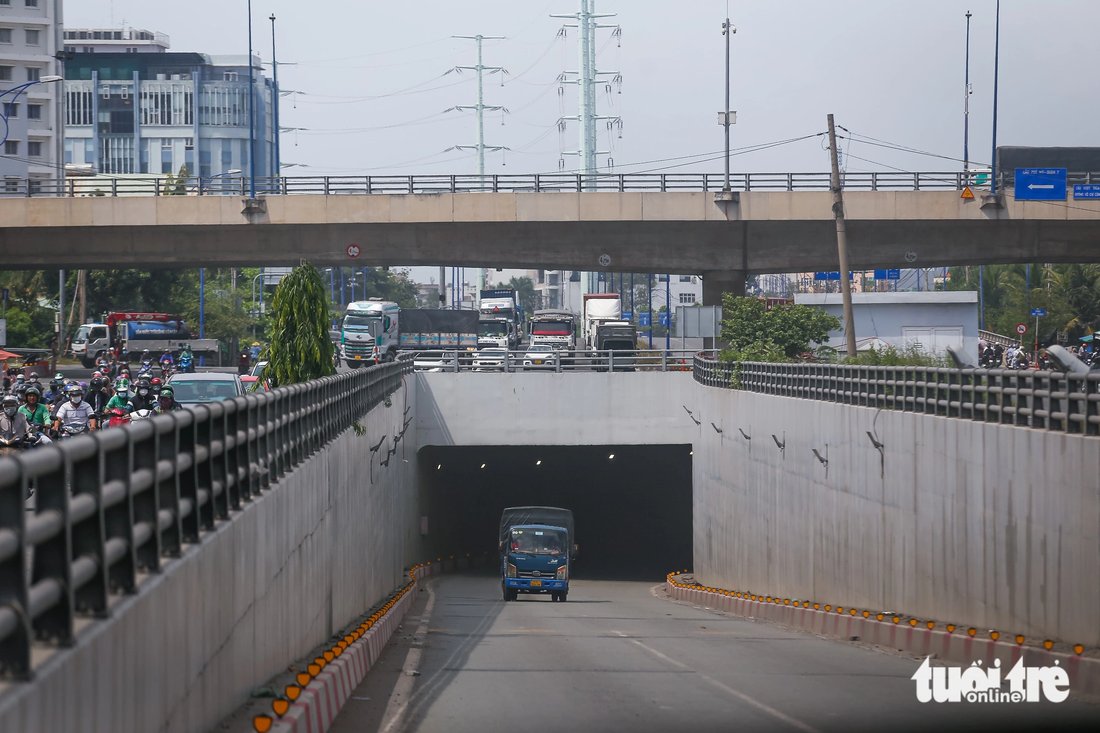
<point>143,392</point>
<point>10,411</point>
<point>75,399</point>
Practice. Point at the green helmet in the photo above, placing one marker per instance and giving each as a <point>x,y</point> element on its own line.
<point>122,386</point>
<point>167,391</point>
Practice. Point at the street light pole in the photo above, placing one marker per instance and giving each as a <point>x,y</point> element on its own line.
<point>996,74</point>
<point>251,112</point>
<point>278,168</point>
<point>727,31</point>
<point>966,104</point>
<point>668,310</point>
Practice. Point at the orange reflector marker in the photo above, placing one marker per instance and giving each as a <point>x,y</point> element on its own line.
<point>866,614</point>
<point>262,723</point>
<point>303,678</point>
<point>817,606</point>
<point>328,655</point>
<point>931,624</point>
<point>951,628</point>
<point>896,619</point>
<point>314,670</point>
<point>994,635</point>
<point>913,622</point>
<point>1019,638</point>
<point>280,705</point>
<point>840,609</point>
<point>852,611</point>
<point>1048,644</point>
<point>971,631</point>
<point>828,607</point>
<point>1078,649</point>
<point>880,616</point>
<point>292,691</point>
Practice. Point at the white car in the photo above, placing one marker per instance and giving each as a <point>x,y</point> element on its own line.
<point>540,356</point>
<point>490,359</point>
<point>434,361</point>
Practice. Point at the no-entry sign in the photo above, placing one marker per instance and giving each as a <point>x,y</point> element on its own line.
<point>1021,328</point>
<point>352,250</point>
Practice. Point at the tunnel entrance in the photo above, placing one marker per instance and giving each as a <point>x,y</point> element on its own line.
<point>632,504</point>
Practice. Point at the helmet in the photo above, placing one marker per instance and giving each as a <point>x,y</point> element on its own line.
<point>167,391</point>
<point>33,390</point>
<point>10,400</point>
<point>58,377</point>
<point>19,377</point>
<point>34,376</point>
<point>155,382</point>
<point>122,386</point>
<point>95,374</point>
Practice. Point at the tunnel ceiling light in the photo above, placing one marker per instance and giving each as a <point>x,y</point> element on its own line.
<point>538,462</point>
<point>691,452</point>
<point>483,465</point>
<point>439,466</point>
<point>610,456</point>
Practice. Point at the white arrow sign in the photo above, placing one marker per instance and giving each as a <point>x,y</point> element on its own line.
<point>1033,186</point>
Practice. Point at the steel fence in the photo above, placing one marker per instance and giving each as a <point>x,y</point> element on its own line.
<point>558,360</point>
<point>1047,400</point>
<point>109,505</point>
<point>523,183</point>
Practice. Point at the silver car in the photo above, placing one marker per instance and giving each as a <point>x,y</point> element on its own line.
<point>490,359</point>
<point>200,387</point>
<point>540,356</point>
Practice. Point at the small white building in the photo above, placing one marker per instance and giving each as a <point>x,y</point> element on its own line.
<point>932,319</point>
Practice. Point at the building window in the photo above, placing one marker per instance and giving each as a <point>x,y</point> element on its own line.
<point>11,185</point>
<point>11,109</point>
<point>31,3</point>
<point>685,278</point>
<point>5,73</point>
<point>5,2</point>
<point>34,73</point>
<point>11,147</point>
<point>32,36</point>
<point>229,75</point>
<point>5,35</point>
<point>34,149</point>
<point>34,111</point>
<point>687,298</point>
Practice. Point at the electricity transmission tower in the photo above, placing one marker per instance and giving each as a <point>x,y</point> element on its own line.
<point>586,78</point>
<point>480,108</point>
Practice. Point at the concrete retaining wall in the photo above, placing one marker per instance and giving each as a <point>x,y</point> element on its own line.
<point>294,566</point>
<point>957,521</point>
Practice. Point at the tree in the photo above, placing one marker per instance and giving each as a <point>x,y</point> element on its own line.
<point>754,332</point>
<point>300,348</point>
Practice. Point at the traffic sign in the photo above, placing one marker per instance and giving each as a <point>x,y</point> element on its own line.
<point>1086,190</point>
<point>1040,184</point>
<point>645,318</point>
<point>1038,312</point>
<point>663,318</point>
<point>628,315</point>
<point>892,274</point>
<point>1021,328</point>
<point>834,275</point>
<point>352,250</point>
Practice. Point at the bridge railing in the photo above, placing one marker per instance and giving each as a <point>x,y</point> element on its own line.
<point>81,518</point>
<point>1046,400</point>
<point>523,183</point>
<point>564,360</point>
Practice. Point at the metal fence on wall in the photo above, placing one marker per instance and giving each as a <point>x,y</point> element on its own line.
<point>519,183</point>
<point>1058,401</point>
<point>118,502</point>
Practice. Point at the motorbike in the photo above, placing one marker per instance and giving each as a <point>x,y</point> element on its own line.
<point>19,443</point>
<point>143,414</point>
<point>117,417</point>
<point>187,364</point>
<point>68,431</point>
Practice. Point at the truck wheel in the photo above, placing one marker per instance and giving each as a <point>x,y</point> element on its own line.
<point>505,593</point>
<point>562,596</point>
<point>555,597</point>
<point>353,364</point>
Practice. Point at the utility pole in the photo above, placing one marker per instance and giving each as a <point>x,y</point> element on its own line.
<point>842,243</point>
<point>727,31</point>
<point>480,108</point>
<point>586,77</point>
<point>966,104</point>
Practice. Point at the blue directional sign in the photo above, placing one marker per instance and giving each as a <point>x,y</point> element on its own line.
<point>663,317</point>
<point>628,315</point>
<point>1086,190</point>
<point>645,318</point>
<point>1038,312</point>
<point>834,275</point>
<point>1040,184</point>
<point>888,274</point>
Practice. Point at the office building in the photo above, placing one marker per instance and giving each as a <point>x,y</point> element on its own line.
<point>134,107</point>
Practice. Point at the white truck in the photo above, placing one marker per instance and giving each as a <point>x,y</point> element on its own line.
<point>599,309</point>
<point>553,328</point>
<point>369,332</point>
<point>500,319</point>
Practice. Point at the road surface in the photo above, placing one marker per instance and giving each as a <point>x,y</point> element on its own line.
<point>620,656</point>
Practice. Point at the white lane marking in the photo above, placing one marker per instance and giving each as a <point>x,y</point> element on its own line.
<point>402,691</point>
<point>778,715</point>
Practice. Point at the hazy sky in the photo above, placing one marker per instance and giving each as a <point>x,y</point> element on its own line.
<point>373,90</point>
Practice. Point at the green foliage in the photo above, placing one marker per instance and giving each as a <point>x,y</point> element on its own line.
<point>300,348</point>
<point>393,286</point>
<point>781,333</point>
<point>911,355</point>
<point>33,330</point>
<point>177,186</point>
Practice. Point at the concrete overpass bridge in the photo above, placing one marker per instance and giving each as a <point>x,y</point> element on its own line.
<point>644,223</point>
<point>165,571</point>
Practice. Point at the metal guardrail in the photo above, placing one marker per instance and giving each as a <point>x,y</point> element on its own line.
<point>1044,400</point>
<point>996,338</point>
<point>642,360</point>
<point>529,183</point>
<point>118,502</point>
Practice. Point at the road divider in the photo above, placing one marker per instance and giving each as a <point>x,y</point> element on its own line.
<point>922,637</point>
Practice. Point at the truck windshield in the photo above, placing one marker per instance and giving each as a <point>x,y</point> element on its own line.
<point>492,328</point>
<point>551,328</point>
<point>363,323</point>
<point>537,541</point>
<point>81,334</point>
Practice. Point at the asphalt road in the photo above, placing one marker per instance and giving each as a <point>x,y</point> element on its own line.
<point>619,656</point>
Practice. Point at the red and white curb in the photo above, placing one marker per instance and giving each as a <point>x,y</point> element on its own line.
<point>322,699</point>
<point>957,646</point>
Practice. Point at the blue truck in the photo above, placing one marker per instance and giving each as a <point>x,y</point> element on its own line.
<point>536,549</point>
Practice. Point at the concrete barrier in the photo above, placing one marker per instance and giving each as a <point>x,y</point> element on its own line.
<point>305,558</point>
<point>952,646</point>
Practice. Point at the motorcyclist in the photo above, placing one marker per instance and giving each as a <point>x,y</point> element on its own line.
<point>75,415</point>
<point>36,413</point>
<point>97,393</point>
<point>143,398</point>
<point>156,383</point>
<point>14,427</point>
<point>121,397</point>
<point>20,386</point>
<point>187,359</point>
<point>166,360</point>
<point>166,402</point>
<point>53,394</point>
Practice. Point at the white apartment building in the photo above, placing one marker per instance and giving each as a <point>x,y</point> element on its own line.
<point>29,42</point>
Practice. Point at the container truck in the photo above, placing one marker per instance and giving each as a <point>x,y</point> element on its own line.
<point>598,308</point>
<point>127,334</point>
<point>369,332</point>
<point>429,329</point>
<point>500,310</point>
<point>537,547</point>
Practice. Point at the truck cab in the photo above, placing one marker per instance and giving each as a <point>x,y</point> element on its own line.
<point>369,332</point>
<point>494,332</point>
<point>536,550</point>
<point>91,341</point>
